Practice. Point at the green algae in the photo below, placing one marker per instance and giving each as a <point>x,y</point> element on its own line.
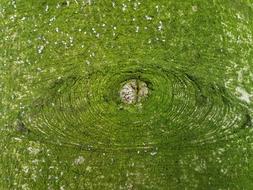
<point>64,126</point>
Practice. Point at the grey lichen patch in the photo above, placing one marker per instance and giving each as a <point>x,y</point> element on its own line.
<point>133,91</point>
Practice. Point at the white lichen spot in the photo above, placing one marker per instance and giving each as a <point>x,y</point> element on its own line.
<point>137,29</point>
<point>52,20</point>
<point>17,139</point>
<point>113,4</point>
<point>79,160</point>
<point>148,17</point>
<point>239,16</point>
<point>46,9</point>
<point>33,150</point>
<point>244,95</point>
<point>136,5</point>
<point>71,40</point>
<point>157,8</point>
<point>124,7</point>
<point>14,4</point>
<point>160,27</point>
<point>13,17</point>
<point>194,8</point>
<point>153,153</point>
<point>40,49</point>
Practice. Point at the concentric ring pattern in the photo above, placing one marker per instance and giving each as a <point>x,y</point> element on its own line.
<point>63,122</point>
<point>181,110</point>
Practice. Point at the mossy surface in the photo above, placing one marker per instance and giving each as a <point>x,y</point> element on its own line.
<point>64,126</point>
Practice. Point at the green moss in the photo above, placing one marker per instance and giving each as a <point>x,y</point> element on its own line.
<point>64,126</point>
